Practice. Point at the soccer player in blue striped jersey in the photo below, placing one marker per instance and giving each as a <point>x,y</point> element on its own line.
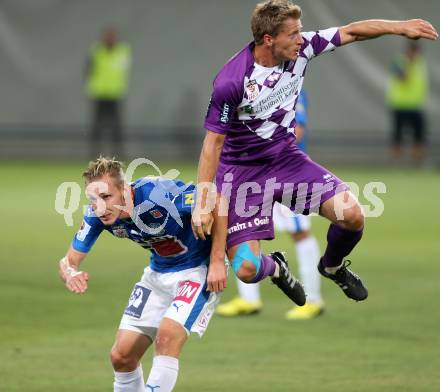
<point>171,299</point>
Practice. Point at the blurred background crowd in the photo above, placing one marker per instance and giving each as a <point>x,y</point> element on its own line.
<point>134,78</point>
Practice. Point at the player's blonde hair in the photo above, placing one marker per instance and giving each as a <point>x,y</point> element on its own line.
<point>269,16</point>
<point>104,166</point>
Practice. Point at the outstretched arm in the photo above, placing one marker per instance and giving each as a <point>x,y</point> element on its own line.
<point>217,272</point>
<point>202,219</point>
<point>368,29</point>
<point>75,280</point>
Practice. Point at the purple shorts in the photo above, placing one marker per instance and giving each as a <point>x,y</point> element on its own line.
<point>292,179</point>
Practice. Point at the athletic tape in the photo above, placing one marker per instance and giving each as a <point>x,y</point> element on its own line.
<point>244,253</point>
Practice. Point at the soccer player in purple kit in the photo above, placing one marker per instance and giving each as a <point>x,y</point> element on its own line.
<point>248,302</point>
<point>250,150</point>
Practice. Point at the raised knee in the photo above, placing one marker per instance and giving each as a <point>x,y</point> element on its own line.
<point>122,361</point>
<point>354,219</point>
<point>247,271</point>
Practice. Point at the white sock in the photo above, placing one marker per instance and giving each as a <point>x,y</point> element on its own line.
<point>163,374</point>
<point>307,252</point>
<point>248,291</point>
<point>276,274</point>
<point>129,381</point>
<point>333,270</point>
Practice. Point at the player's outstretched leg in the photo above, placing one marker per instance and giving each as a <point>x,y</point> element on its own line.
<point>343,235</point>
<point>125,357</point>
<point>251,266</point>
<point>288,284</point>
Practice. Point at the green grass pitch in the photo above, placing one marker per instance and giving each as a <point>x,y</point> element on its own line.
<point>52,340</point>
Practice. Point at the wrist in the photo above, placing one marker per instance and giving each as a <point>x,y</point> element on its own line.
<point>218,255</point>
<point>67,269</point>
<point>205,196</point>
<point>398,28</point>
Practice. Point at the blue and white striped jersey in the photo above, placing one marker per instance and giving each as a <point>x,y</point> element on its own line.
<point>161,223</point>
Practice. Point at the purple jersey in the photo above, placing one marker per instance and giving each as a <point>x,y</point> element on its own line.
<point>254,106</point>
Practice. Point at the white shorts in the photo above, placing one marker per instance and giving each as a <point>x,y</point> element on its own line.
<point>180,296</point>
<point>286,220</point>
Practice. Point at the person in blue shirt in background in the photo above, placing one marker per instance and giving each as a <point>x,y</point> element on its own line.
<point>307,249</point>
<point>173,297</point>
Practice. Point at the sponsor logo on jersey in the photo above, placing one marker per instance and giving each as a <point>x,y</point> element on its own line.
<point>282,94</point>
<point>237,227</point>
<point>248,109</point>
<point>248,225</point>
<point>156,214</point>
<point>83,231</point>
<point>186,291</point>
<point>137,301</point>
<point>327,177</point>
<point>209,107</point>
<point>252,90</point>
<point>188,199</point>
<point>177,306</point>
<point>224,117</point>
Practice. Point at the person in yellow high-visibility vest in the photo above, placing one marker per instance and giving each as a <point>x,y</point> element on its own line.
<point>407,95</point>
<point>107,74</point>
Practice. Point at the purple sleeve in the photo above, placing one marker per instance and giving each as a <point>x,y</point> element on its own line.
<point>319,42</point>
<point>223,105</point>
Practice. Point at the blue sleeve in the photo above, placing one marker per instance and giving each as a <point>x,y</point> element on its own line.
<point>301,110</point>
<point>169,195</point>
<point>180,193</point>
<point>91,228</point>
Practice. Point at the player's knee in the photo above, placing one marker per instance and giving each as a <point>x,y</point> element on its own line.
<point>354,218</point>
<point>247,271</point>
<point>169,342</point>
<point>122,361</point>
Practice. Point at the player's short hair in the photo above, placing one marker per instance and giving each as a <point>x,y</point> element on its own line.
<point>269,16</point>
<point>104,166</point>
